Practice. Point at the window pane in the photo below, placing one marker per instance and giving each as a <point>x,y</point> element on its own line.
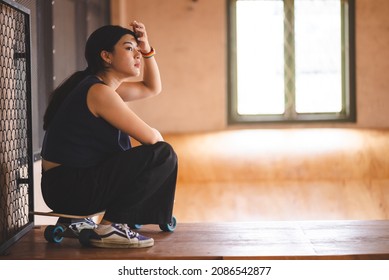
<point>318,56</point>
<point>260,57</point>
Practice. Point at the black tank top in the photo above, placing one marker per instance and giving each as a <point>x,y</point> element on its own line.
<point>76,137</point>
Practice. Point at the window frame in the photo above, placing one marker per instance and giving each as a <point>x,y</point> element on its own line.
<point>348,113</point>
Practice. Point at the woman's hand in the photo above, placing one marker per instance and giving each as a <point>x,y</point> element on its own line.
<point>151,84</point>
<point>158,136</point>
<point>141,36</point>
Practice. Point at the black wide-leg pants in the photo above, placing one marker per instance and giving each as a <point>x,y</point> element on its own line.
<point>134,187</point>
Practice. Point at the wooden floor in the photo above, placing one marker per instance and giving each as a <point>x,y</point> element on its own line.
<point>282,174</point>
<point>217,241</point>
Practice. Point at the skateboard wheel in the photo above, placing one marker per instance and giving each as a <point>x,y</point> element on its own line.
<point>53,233</point>
<point>86,235</point>
<point>169,227</point>
<point>135,226</point>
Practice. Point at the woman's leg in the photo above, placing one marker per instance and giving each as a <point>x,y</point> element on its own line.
<point>135,186</point>
<point>138,186</point>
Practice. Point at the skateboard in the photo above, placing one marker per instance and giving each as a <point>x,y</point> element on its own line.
<point>82,227</point>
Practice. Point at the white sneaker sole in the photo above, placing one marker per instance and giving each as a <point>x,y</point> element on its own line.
<point>112,244</point>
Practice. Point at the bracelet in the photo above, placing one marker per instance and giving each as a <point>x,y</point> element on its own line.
<point>150,54</point>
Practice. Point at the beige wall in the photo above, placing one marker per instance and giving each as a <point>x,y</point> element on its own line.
<point>190,39</point>
<point>372,47</point>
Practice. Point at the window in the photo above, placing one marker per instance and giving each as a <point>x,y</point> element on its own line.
<point>291,60</point>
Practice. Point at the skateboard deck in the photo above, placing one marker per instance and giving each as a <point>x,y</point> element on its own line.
<point>62,215</point>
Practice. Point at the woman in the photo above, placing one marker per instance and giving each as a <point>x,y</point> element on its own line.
<point>88,164</point>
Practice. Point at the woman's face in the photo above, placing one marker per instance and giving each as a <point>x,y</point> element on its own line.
<point>126,57</point>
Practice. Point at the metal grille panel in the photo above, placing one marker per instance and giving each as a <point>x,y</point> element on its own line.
<point>15,122</point>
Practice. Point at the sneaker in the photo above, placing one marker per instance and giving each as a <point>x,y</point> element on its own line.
<point>76,225</point>
<point>119,236</point>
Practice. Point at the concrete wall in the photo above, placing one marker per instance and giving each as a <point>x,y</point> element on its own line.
<point>190,38</point>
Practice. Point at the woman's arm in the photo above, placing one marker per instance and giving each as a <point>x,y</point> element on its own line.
<point>151,84</point>
<point>104,102</point>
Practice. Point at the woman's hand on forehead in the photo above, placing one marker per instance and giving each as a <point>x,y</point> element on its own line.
<point>141,36</point>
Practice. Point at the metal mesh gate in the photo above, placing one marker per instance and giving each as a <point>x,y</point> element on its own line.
<point>16,165</point>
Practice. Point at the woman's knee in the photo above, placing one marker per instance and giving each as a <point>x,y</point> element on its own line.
<point>166,152</point>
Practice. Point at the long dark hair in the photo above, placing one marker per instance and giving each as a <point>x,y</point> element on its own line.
<point>103,39</point>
